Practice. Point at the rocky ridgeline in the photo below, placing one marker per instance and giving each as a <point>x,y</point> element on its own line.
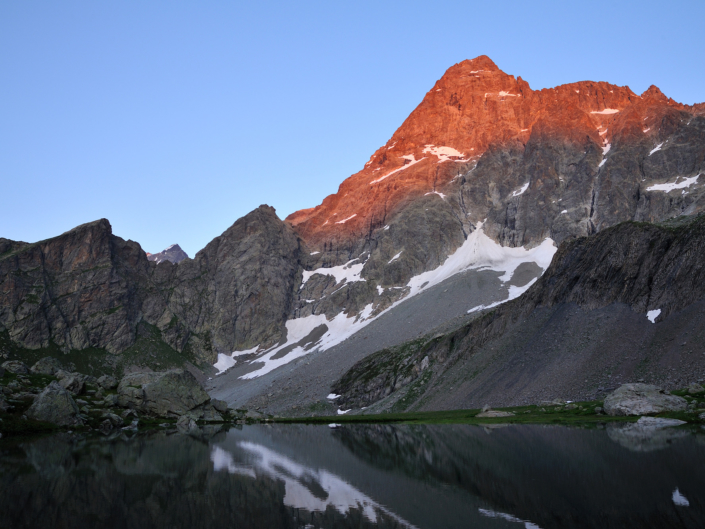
<point>45,393</point>
<point>88,288</point>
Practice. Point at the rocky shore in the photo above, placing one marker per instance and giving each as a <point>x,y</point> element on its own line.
<point>46,397</point>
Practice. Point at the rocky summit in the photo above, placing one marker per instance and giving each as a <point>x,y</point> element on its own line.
<point>581,203</point>
<point>173,254</point>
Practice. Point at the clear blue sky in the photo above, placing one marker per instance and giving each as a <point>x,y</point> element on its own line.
<point>172,118</point>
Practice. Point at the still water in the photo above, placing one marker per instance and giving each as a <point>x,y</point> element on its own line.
<point>385,476</point>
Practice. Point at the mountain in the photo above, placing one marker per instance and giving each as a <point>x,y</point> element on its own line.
<point>462,210</point>
<point>173,253</point>
<point>88,288</point>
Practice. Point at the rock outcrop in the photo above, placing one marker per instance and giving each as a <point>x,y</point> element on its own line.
<point>165,394</point>
<point>642,399</point>
<point>89,288</point>
<point>55,405</point>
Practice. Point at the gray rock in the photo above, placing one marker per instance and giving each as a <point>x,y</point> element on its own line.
<point>165,394</point>
<point>46,366</point>
<point>695,389</point>
<point>106,426</point>
<point>642,399</point>
<point>16,367</point>
<point>55,405</point>
<point>72,383</point>
<point>220,405</point>
<point>107,382</point>
<point>495,413</point>
<point>186,424</point>
<point>647,434</point>
<point>116,420</point>
<point>110,400</point>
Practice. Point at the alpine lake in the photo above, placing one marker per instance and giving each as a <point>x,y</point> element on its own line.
<point>358,475</point>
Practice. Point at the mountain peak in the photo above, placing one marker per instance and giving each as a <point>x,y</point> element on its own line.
<point>173,253</point>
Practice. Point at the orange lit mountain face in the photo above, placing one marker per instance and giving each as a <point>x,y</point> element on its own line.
<point>556,140</point>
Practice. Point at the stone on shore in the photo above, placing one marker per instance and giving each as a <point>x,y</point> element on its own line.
<point>642,399</point>
<point>55,405</point>
<point>165,394</point>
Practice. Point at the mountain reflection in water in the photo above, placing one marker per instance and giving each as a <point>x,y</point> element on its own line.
<point>387,476</point>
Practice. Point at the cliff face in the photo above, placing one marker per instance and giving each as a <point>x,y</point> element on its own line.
<point>89,288</point>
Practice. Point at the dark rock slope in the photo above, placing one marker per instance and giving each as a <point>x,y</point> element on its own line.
<point>88,288</point>
<point>580,330</point>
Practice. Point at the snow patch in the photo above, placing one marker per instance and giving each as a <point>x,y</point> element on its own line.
<point>479,251</point>
<point>514,292</point>
<point>407,157</point>
<point>337,330</point>
<point>521,191</point>
<point>315,253</point>
<point>606,149</point>
<point>343,412</point>
<point>507,94</point>
<point>386,227</point>
<point>350,272</point>
<point>345,220</point>
<point>395,258</point>
<point>653,314</point>
<point>605,111</point>
<point>679,499</point>
<point>435,193</point>
<point>657,148</point>
<point>380,290</point>
<point>225,362</point>
<point>646,130</point>
<point>686,182</point>
<point>332,396</point>
<point>508,518</point>
<point>444,154</point>
<point>564,212</point>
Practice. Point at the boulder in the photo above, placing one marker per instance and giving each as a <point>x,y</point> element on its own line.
<point>115,420</point>
<point>220,405</point>
<point>695,389</point>
<point>72,383</point>
<point>494,413</point>
<point>46,366</point>
<point>165,394</point>
<point>55,405</point>
<point>16,367</point>
<point>642,399</point>
<point>107,382</point>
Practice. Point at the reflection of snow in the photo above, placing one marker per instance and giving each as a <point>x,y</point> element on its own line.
<point>305,487</point>
<point>679,499</point>
<point>508,517</point>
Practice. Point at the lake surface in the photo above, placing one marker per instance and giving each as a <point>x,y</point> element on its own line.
<point>388,476</point>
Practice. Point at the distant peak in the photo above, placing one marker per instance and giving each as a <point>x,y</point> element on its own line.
<point>654,92</point>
